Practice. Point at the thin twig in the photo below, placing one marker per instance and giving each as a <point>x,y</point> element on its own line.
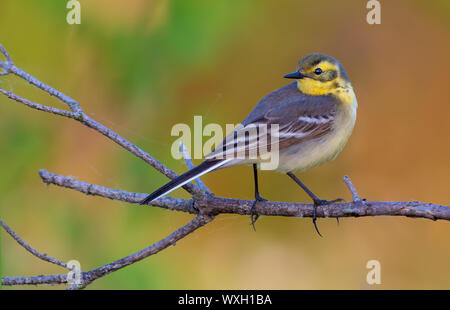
<point>6,65</point>
<point>71,103</point>
<point>91,123</point>
<point>187,158</point>
<point>351,188</point>
<point>27,247</point>
<point>37,106</point>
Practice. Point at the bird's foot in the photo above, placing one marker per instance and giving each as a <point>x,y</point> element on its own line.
<point>322,202</point>
<point>253,215</point>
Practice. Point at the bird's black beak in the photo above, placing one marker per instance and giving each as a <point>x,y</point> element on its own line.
<point>294,75</point>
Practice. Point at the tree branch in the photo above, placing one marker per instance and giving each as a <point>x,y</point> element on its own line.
<point>77,114</point>
<point>37,280</point>
<point>90,276</point>
<point>204,204</point>
<point>115,194</point>
<point>218,205</point>
<point>27,247</point>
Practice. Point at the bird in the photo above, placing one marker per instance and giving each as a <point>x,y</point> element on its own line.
<point>314,117</point>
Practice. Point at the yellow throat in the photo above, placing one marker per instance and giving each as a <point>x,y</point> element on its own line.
<point>339,88</point>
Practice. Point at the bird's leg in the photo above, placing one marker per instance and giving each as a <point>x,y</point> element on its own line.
<point>317,201</point>
<point>258,197</point>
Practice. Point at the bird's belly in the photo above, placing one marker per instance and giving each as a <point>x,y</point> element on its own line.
<point>309,154</point>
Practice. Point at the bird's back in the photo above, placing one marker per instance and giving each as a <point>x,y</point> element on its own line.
<point>272,99</point>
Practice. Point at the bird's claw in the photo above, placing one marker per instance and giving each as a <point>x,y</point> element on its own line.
<point>254,217</point>
<point>322,202</point>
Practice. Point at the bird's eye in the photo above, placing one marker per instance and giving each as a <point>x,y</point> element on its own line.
<point>318,71</point>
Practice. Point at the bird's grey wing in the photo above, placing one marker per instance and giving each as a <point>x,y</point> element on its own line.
<point>293,120</point>
<point>267,103</point>
<point>301,118</point>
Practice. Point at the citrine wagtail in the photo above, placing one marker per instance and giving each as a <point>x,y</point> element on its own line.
<point>315,117</point>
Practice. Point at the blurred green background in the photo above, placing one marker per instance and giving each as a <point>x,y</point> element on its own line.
<point>139,67</point>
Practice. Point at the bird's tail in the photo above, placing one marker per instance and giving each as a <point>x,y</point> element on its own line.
<point>188,176</point>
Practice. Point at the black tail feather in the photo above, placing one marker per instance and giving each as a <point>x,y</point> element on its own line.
<point>179,180</point>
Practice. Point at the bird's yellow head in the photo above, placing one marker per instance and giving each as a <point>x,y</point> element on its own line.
<point>319,74</point>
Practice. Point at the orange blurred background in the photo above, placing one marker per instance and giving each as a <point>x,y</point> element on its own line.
<point>139,67</point>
